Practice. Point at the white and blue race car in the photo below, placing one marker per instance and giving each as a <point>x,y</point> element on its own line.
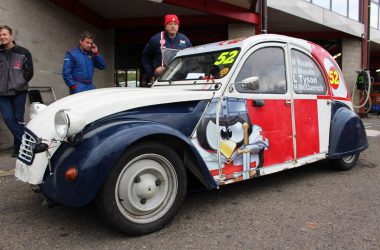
<point>220,113</point>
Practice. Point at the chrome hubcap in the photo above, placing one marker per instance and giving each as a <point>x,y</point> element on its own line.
<point>146,188</point>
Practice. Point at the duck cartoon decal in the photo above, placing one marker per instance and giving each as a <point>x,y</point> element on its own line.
<point>239,142</point>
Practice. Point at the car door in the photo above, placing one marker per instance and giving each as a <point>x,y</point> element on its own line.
<point>262,82</point>
<point>312,106</point>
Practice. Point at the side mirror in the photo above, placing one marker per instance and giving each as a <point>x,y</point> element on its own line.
<point>250,83</point>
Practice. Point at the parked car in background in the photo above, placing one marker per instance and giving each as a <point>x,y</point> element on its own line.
<point>221,113</point>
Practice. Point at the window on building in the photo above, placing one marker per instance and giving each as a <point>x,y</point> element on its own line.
<point>348,8</point>
<point>354,9</point>
<point>374,13</point>
<point>307,77</point>
<point>323,3</point>
<point>268,66</point>
<point>340,7</point>
<point>127,77</point>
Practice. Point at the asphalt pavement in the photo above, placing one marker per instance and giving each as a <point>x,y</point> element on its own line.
<point>310,207</point>
<point>7,163</point>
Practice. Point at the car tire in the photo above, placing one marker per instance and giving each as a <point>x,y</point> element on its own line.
<point>345,163</point>
<point>144,190</point>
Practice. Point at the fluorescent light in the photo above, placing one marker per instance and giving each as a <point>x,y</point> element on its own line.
<point>337,55</point>
<point>378,70</point>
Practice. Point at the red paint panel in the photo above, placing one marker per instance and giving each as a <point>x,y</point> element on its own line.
<point>275,120</point>
<point>230,169</point>
<point>307,133</point>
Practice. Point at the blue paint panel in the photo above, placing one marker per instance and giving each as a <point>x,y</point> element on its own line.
<point>347,133</point>
<point>105,141</point>
<point>182,116</point>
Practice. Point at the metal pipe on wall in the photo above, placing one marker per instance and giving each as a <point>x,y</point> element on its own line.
<point>264,17</point>
<point>368,33</point>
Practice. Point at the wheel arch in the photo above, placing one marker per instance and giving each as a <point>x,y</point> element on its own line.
<point>188,153</point>
<point>347,132</point>
<point>100,150</point>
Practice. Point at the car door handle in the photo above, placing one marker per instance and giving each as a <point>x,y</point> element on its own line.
<point>288,102</point>
<point>258,103</point>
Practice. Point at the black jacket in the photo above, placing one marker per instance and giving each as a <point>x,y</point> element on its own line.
<point>16,70</point>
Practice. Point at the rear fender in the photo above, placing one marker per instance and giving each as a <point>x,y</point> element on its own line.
<point>347,133</point>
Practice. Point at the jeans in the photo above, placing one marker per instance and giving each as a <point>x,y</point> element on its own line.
<point>13,109</point>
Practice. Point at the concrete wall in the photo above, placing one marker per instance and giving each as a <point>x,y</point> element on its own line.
<point>351,61</point>
<point>47,31</point>
<point>237,30</point>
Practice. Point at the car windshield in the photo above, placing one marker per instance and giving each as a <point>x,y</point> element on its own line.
<point>206,66</point>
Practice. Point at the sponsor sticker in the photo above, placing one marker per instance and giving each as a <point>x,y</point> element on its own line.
<point>334,78</point>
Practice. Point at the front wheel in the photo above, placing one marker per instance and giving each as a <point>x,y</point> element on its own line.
<point>345,163</point>
<point>144,190</point>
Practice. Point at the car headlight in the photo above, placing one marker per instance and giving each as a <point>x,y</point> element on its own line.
<point>68,123</point>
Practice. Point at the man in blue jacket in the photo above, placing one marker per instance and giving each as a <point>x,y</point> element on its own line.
<point>151,57</point>
<point>79,63</point>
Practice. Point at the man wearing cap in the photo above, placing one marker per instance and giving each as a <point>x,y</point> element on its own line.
<point>152,61</point>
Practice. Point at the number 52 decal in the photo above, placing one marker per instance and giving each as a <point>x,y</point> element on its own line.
<point>227,57</point>
<point>334,78</point>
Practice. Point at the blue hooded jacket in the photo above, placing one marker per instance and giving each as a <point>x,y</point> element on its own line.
<point>78,69</point>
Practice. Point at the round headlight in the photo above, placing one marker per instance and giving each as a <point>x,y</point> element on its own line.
<point>68,123</point>
<point>62,123</point>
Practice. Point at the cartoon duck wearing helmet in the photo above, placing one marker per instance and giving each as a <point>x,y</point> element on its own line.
<point>239,142</point>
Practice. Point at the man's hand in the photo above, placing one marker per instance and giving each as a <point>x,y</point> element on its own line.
<point>94,49</point>
<point>74,87</point>
<point>158,71</point>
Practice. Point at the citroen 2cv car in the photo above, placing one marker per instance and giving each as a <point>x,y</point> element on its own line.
<point>220,113</point>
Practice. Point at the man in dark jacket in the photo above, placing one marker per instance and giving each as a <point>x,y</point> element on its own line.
<point>151,57</point>
<point>79,64</point>
<point>16,70</point>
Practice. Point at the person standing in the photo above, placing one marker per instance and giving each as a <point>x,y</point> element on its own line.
<point>16,70</point>
<point>79,63</point>
<point>151,56</point>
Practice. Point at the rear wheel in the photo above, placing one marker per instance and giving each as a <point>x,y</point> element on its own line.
<point>144,190</point>
<point>345,163</point>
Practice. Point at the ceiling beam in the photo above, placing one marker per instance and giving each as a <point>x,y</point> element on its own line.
<point>218,8</point>
<point>221,13</point>
<point>188,21</point>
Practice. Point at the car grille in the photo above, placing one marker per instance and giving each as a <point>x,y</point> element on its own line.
<point>26,150</point>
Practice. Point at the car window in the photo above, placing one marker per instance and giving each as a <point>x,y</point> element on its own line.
<point>211,65</point>
<point>267,67</point>
<point>307,77</point>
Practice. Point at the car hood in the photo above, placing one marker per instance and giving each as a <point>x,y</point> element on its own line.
<point>95,104</point>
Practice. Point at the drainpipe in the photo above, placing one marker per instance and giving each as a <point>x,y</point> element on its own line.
<point>264,17</point>
<point>368,33</point>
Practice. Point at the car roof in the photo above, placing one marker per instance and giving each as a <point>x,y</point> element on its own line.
<point>245,43</point>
